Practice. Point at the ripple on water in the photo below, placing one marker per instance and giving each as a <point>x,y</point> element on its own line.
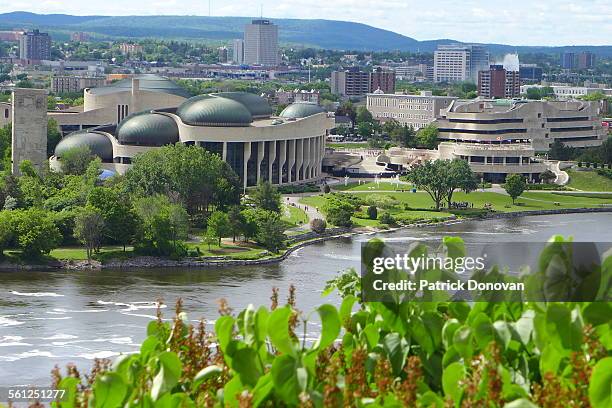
<point>36,294</point>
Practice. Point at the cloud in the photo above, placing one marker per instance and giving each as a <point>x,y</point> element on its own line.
<point>519,22</point>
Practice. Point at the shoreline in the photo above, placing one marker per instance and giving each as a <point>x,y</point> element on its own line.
<point>156,262</point>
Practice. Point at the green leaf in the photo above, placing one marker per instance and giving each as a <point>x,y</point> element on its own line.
<point>286,382</point>
<point>600,384</point>
<point>397,349</point>
<point>372,335</point>
<point>261,324</point>
<point>448,330</point>
<point>563,328</point>
<point>331,325</point>
<point>69,385</point>
<point>231,391</point>
<point>451,378</point>
<point>178,400</point>
<point>170,368</point>
<point>109,391</point>
<point>278,330</point>
<point>482,330</point>
<point>263,388</point>
<point>431,399</point>
<point>150,346</point>
<point>462,341</point>
<point>205,374</point>
<point>224,328</point>
<point>346,308</point>
<point>246,363</point>
<point>597,313</point>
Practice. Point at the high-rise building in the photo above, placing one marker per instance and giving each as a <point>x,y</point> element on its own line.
<point>238,52</point>
<point>350,82</point>
<point>568,60</point>
<point>261,43</point>
<point>70,84</point>
<point>354,82</point>
<point>130,49</point>
<point>530,73</point>
<point>34,46</point>
<point>497,82</point>
<point>459,62</point>
<point>586,60</point>
<point>383,80</point>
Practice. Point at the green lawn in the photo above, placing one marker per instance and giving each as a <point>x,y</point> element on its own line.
<point>419,206</point>
<point>294,216</point>
<point>358,145</point>
<point>370,186</point>
<point>79,253</point>
<point>588,181</point>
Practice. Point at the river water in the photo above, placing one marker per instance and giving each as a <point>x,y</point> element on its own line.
<point>60,317</point>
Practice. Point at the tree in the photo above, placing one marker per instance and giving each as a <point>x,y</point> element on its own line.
<point>339,212</point>
<point>76,160</point>
<point>7,230</point>
<point>26,168</point>
<point>387,218</point>
<point>547,176</point>
<point>88,229</point>
<point>236,221</point>
<point>427,137</point>
<point>460,177</point>
<point>318,225</point>
<point>514,186</point>
<point>403,136</point>
<point>201,179</point>
<point>364,115</point>
<point>219,225</point>
<point>120,221</point>
<point>432,176</point>
<point>365,129</point>
<point>36,232</point>
<point>162,225</point>
<point>53,136</point>
<point>271,231</point>
<point>249,228</point>
<point>558,151</point>
<point>266,197</point>
<point>372,212</point>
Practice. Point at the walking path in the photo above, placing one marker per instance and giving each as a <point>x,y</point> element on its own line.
<point>310,211</point>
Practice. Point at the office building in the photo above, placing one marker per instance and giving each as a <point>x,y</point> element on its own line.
<point>417,111</point>
<point>459,62</point>
<point>261,43</point>
<point>569,91</point>
<point>497,82</point>
<point>291,96</point>
<point>69,84</point>
<point>530,73</point>
<point>568,60</point>
<point>383,80</point>
<point>34,46</point>
<point>238,52</point>
<point>352,82</point>
<point>586,60</point>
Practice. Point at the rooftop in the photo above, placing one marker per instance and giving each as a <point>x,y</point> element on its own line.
<point>148,82</point>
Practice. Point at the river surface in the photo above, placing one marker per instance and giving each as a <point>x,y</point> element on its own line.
<point>60,317</point>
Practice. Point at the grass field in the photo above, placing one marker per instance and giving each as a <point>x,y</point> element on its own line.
<point>357,145</point>
<point>370,186</point>
<point>419,206</point>
<point>294,216</point>
<point>588,181</point>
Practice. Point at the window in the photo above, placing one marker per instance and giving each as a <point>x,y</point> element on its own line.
<point>6,113</point>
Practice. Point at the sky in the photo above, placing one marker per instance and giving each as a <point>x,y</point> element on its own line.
<point>515,22</point>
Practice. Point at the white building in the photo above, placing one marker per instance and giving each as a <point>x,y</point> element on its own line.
<point>459,62</point>
<point>569,92</point>
<point>261,43</point>
<point>414,110</point>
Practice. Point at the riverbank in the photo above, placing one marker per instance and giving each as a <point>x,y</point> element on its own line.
<point>144,262</point>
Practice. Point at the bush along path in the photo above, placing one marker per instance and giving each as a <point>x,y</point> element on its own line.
<point>410,354</point>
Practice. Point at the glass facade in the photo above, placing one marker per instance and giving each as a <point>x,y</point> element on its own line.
<point>235,157</point>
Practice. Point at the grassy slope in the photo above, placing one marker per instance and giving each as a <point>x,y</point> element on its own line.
<point>422,203</point>
<point>293,216</point>
<point>589,181</point>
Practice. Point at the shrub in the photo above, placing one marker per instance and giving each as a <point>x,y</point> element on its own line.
<point>372,212</point>
<point>579,164</point>
<point>387,218</point>
<point>318,225</point>
<point>326,189</point>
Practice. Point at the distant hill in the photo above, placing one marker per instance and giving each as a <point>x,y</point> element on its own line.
<point>329,34</point>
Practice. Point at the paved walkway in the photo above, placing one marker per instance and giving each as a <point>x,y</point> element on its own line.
<point>311,211</point>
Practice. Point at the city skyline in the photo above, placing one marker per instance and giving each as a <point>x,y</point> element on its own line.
<point>520,23</point>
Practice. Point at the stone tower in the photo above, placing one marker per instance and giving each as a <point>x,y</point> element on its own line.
<point>29,127</point>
